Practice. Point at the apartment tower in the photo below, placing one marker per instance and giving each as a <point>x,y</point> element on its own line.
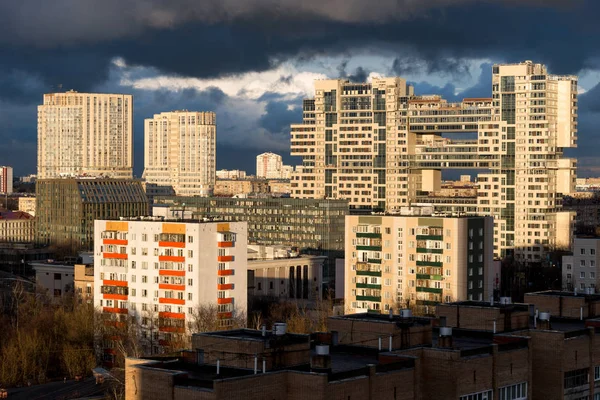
<point>85,134</point>
<point>180,151</point>
<point>6,180</point>
<point>159,272</point>
<point>381,147</point>
<point>269,165</point>
<point>416,261</point>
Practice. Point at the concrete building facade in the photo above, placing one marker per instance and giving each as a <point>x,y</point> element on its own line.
<point>416,261</point>
<point>6,180</point>
<point>84,282</point>
<point>16,226</point>
<point>580,270</point>
<point>380,147</point>
<point>269,165</point>
<point>180,151</point>
<point>27,204</point>
<point>57,278</point>
<point>85,134</point>
<point>161,271</point>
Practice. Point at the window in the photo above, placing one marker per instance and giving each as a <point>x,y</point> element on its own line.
<point>144,293</point>
<point>144,264</point>
<point>582,251</point>
<point>514,392</point>
<point>448,246</point>
<point>133,278</point>
<point>582,263</point>
<point>190,268</point>
<point>578,377</point>
<point>133,251</point>
<point>144,279</point>
<point>592,275</point>
<point>593,252</point>
<point>582,274</point>
<point>133,292</point>
<point>190,253</point>
<point>190,282</point>
<point>568,267</point>
<point>597,373</point>
<point>144,237</point>
<point>485,395</point>
<point>144,251</point>
<point>133,265</point>
<point>592,263</point>
<point>190,239</point>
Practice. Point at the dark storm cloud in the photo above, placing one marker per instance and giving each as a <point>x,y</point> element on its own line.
<point>278,116</point>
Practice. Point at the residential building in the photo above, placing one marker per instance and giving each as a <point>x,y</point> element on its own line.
<point>16,226</point>
<point>580,270</point>
<point>85,134</point>
<point>83,282</point>
<point>180,151</point>
<point>416,261</point>
<point>380,147</point>
<point>67,208</point>
<point>231,174</point>
<point>55,277</point>
<point>6,180</point>
<point>586,206</point>
<point>28,178</point>
<point>286,172</point>
<point>279,273</point>
<point>241,187</point>
<point>304,224</point>
<point>27,204</point>
<point>269,165</point>
<point>16,258</point>
<point>280,187</point>
<point>159,272</point>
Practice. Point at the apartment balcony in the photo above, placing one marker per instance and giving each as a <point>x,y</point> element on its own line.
<point>171,244</point>
<point>368,286</point>
<point>224,244</point>
<point>225,258</point>
<point>115,310</point>
<point>368,298</point>
<point>430,277</point>
<point>225,272</point>
<point>430,237</point>
<point>369,248</point>
<point>226,286</point>
<point>226,300</point>
<point>172,258</point>
<point>118,242</point>
<point>368,235</point>
<point>224,315</point>
<point>432,251</point>
<point>429,264</point>
<point>368,273</point>
<point>429,290</point>
<point>120,256</point>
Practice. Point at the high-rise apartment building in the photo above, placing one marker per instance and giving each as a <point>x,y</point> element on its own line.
<point>159,272</point>
<point>85,134</point>
<point>269,165</point>
<point>397,261</point>
<point>6,180</point>
<point>180,151</point>
<point>380,147</point>
<point>580,269</point>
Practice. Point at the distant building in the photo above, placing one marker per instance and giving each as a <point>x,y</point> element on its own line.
<point>160,272</point>
<point>580,270</point>
<point>16,226</point>
<point>85,134</point>
<point>416,261</point>
<point>67,208</point>
<point>28,178</point>
<point>269,165</point>
<point>6,180</point>
<point>57,278</point>
<point>241,187</point>
<point>279,273</point>
<point>279,187</point>
<point>84,282</point>
<point>180,151</point>
<point>27,204</point>
<point>231,174</point>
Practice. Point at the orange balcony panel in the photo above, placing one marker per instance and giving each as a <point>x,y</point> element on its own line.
<point>107,282</point>
<point>120,256</point>
<point>171,244</point>
<point>224,315</point>
<point>172,315</point>
<point>227,300</point>
<point>225,258</point>
<point>109,296</point>
<point>171,258</point>
<point>226,286</point>
<point>225,244</point>
<point>167,286</point>
<point>120,242</point>
<point>225,272</point>
<point>163,300</point>
<point>173,329</point>
<point>115,310</point>
<point>170,272</point>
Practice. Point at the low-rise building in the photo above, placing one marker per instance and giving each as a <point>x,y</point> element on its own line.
<point>160,272</point>
<point>27,204</point>
<point>283,274</point>
<point>238,187</point>
<point>580,270</point>
<point>280,187</point>
<point>231,174</point>
<point>84,282</point>
<point>17,226</point>
<point>55,277</point>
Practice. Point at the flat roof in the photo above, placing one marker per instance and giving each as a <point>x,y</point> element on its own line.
<point>384,318</point>
<point>558,293</point>
<point>487,304</point>
<point>256,335</point>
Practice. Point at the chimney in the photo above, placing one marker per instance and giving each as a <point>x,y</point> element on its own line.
<point>445,339</point>
<point>321,360</point>
<point>544,321</point>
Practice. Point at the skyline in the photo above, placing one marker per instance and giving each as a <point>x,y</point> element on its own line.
<point>254,74</point>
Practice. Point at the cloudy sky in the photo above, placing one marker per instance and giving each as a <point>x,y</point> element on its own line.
<point>252,61</point>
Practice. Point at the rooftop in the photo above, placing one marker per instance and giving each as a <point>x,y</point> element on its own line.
<point>558,293</point>
<point>257,336</point>
<point>384,318</point>
<point>495,304</point>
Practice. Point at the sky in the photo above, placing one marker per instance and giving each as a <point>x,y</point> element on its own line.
<point>252,61</point>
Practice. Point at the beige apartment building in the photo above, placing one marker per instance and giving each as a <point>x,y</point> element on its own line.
<point>416,261</point>
<point>27,204</point>
<point>180,151</point>
<point>269,165</point>
<point>380,147</point>
<point>85,134</point>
